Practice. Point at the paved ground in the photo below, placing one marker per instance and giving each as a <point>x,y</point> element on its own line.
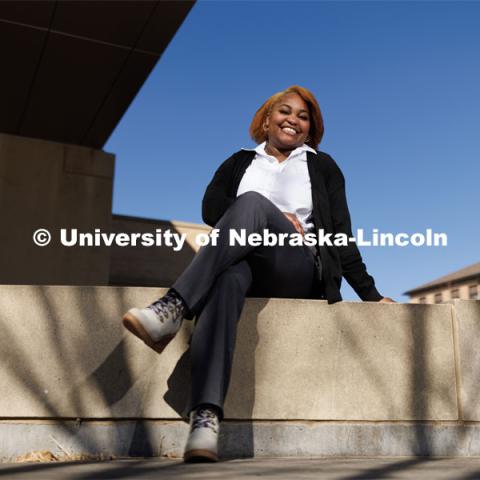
<point>281,468</point>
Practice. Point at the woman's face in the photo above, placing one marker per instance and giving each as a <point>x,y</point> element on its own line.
<point>288,124</point>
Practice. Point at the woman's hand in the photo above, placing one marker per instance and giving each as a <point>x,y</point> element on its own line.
<point>387,300</point>
<point>295,222</point>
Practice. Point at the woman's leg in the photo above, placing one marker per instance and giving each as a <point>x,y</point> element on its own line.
<point>277,271</point>
<point>213,339</point>
<point>215,284</point>
<point>211,351</point>
<point>253,213</point>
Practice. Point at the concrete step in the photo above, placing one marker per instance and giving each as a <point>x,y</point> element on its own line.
<point>308,379</point>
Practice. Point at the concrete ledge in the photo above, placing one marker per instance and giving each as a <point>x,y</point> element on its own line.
<point>365,370</point>
<point>239,439</point>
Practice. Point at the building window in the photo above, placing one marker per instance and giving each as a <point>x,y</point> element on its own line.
<point>422,300</point>
<point>473,292</point>
<point>455,293</point>
<point>438,297</point>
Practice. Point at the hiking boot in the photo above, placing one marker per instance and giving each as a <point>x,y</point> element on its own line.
<point>157,324</point>
<point>202,444</point>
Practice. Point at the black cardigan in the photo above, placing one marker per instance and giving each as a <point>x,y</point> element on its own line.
<point>330,213</point>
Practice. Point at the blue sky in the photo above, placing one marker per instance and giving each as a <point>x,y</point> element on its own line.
<point>398,84</point>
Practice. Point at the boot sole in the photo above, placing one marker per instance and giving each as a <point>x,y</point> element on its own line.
<point>133,325</point>
<point>200,456</point>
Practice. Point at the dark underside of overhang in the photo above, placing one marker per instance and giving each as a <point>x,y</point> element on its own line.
<point>70,69</point>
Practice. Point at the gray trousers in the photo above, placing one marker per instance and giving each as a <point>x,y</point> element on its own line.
<point>218,279</point>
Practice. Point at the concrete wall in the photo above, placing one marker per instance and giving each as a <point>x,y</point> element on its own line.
<point>52,185</point>
<point>397,379</point>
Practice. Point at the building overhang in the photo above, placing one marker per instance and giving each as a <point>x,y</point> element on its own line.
<point>70,69</point>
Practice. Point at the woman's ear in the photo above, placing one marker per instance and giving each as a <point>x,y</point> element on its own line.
<point>266,122</point>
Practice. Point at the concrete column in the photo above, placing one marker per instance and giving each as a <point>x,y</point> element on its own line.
<point>52,185</point>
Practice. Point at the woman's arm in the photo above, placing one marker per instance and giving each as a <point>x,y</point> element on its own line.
<point>354,270</point>
<point>217,198</point>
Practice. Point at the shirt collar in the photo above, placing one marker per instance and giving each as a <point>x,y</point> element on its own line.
<point>260,149</point>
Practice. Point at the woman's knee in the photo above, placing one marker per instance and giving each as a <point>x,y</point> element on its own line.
<point>255,201</point>
<point>253,198</point>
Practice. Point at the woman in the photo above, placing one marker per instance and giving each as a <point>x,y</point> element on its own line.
<point>283,185</point>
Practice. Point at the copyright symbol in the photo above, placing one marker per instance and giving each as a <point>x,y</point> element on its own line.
<point>42,237</point>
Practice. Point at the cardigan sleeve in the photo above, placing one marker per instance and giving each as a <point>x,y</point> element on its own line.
<point>354,270</point>
<point>217,198</point>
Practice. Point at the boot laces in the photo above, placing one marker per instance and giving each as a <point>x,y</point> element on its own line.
<point>168,307</point>
<point>205,418</point>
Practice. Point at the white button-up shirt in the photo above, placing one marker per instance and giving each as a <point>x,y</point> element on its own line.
<point>286,184</point>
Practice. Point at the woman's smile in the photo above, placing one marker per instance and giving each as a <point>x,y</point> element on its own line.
<point>289,131</point>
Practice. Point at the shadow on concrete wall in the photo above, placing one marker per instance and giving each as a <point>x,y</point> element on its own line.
<point>112,378</point>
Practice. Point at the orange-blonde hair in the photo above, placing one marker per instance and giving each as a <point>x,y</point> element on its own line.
<point>258,133</point>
